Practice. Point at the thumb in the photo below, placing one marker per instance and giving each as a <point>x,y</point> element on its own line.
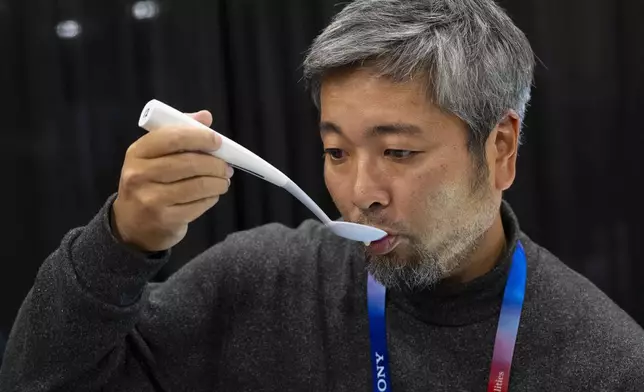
<point>203,117</point>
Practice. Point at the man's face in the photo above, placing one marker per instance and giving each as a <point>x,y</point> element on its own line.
<point>395,161</point>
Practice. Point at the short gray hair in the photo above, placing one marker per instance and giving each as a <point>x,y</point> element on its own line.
<point>477,64</point>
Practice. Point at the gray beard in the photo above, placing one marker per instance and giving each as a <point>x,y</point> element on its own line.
<point>423,270</point>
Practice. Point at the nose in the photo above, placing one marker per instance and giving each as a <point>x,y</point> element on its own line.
<point>370,191</point>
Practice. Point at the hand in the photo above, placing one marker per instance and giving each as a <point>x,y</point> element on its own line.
<point>168,180</point>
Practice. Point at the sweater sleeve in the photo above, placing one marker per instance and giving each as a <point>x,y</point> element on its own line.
<point>632,378</point>
<point>80,326</point>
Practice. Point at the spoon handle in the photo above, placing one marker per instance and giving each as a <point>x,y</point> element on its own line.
<point>157,114</point>
<point>299,194</point>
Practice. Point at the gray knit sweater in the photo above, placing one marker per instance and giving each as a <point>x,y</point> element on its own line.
<point>280,309</point>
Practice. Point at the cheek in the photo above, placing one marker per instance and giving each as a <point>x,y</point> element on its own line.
<point>421,189</point>
<point>337,189</point>
<point>412,192</point>
<point>422,182</point>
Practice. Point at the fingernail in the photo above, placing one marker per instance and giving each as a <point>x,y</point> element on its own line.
<point>229,171</point>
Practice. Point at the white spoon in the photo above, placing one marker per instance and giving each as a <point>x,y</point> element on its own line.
<point>157,114</point>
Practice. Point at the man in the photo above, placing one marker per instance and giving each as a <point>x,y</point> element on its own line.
<point>421,107</point>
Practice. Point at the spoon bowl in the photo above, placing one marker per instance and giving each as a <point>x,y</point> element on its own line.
<point>356,232</point>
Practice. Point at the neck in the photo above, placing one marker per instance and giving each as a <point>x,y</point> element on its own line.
<point>485,256</point>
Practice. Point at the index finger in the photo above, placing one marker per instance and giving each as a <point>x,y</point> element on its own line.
<point>167,141</point>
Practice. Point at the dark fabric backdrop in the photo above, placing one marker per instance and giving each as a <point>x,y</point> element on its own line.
<point>70,108</point>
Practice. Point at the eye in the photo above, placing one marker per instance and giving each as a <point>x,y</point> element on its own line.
<point>400,154</point>
<point>334,153</point>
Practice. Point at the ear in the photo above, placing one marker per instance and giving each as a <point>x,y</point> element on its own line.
<point>502,147</point>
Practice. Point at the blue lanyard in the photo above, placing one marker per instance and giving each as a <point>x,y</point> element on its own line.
<point>506,334</point>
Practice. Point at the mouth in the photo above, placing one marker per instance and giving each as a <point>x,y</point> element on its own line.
<point>384,245</point>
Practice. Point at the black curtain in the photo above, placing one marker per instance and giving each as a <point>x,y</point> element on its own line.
<point>74,75</point>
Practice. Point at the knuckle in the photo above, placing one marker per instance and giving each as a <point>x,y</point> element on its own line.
<point>215,166</point>
<point>138,145</point>
<point>211,187</point>
<point>215,140</point>
<point>222,168</point>
<point>131,177</point>
<point>206,139</point>
<point>192,162</point>
<point>175,140</point>
<point>205,185</point>
<point>131,150</point>
<point>149,201</point>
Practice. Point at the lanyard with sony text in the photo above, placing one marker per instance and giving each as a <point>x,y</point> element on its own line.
<point>506,334</point>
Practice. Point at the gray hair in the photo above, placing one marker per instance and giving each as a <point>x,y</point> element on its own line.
<point>476,63</point>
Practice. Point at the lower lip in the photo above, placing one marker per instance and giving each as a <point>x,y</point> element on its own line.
<point>383,246</point>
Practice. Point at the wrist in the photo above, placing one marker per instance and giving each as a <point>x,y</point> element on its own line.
<point>118,237</point>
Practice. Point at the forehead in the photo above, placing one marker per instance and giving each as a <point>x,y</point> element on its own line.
<point>363,88</point>
<point>360,99</point>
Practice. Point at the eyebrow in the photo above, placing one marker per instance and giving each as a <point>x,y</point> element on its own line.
<point>378,130</point>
